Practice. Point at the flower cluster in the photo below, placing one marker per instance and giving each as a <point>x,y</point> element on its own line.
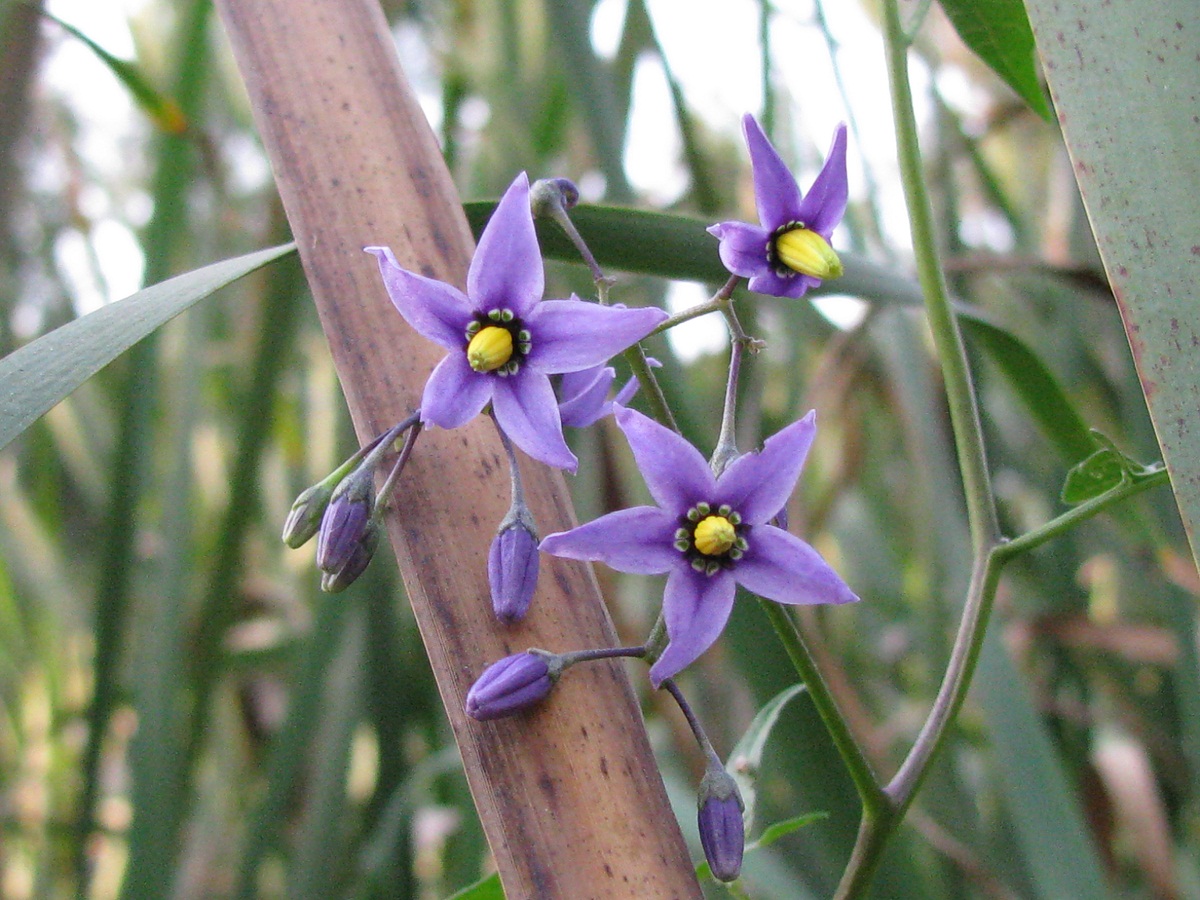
<point>713,526</point>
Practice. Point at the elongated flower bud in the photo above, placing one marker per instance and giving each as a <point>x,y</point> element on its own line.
<point>360,556</point>
<point>345,520</point>
<point>513,684</point>
<point>513,569</point>
<point>722,831</point>
<point>304,518</point>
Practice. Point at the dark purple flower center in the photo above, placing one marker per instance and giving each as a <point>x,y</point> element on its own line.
<point>778,266</point>
<point>517,348</point>
<point>711,538</point>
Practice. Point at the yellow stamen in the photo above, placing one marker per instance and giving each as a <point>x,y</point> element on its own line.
<point>806,252</point>
<point>491,348</point>
<point>714,535</point>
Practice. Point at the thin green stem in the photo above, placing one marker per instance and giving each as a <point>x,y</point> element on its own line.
<point>874,833</point>
<point>960,394</point>
<point>635,356</point>
<point>719,301</point>
<point>1072,517</point>
<point>726,450</point>
<point>876,803</point>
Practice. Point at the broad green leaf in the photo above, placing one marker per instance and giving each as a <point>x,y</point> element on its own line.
<point>746,757</point>
<point>487,889</point>
<point>1124,77</point>
<point>999,34</point>
<point>45,371</point>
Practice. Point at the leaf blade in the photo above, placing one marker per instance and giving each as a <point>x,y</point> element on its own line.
<point>45,371</point>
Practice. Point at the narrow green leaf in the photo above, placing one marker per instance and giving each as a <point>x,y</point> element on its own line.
<point>774,832</point>
<point>998,32</point>
<point>1035,384</point>
<point>1046,813</point>
<point>746,757</point>
<point>44,371</point>
<point>487,889</point>
<point>673,246</point>
<point>162,109</point>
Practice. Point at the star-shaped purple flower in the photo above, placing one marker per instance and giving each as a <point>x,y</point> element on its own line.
<point>708,534</point>
<point>504,340</point>
<point>788,252</point>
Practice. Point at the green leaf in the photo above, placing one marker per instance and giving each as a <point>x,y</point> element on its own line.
<point>163,110</point>
<point>746,758</point>
<point>774,832</point>
<point>673,246</point>
<point>1123,78</point>
<point>45,371</point>
<point>487,889</point>
<point>1045,809</point>
<point>998,32</point>
<point>1034,383</point>
<point>1100,472</point>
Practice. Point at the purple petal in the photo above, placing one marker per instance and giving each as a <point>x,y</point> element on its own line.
<point>638,540</point>
<point>775,191</point>
<point>455,393</point>
<point>677,476</point>
<point>625,394</point>
<point>506,271</point>
<point>438,311</point>
<point>758,484</point>
<point>743,248</point>
<point>825,203</point>
<point>783,568</point>
<point>790,285</point>
<point>696,608</point>
<point>584,395</point>
<point>527,411</point>
<point>569,335</point>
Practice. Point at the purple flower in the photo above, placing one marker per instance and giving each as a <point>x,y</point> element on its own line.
<point>504,340</point>
<point>336,581</point>
<point>513,569</point>
<point>345,520</point>
<point>709,534</point>
<point>583,396</point>
<point>722,830</point>
<point>511,685</point>
<point>788,252</point>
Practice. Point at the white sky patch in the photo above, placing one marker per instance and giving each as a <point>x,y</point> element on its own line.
<point>608,18</point>
<point>706,334</point>
<point>843,311</point>
<point>652,151</point>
